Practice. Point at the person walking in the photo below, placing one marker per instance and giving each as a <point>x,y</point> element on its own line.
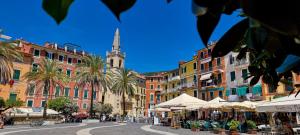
<point>1,121</point>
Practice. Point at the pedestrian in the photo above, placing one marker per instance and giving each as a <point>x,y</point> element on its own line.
<point>1,121</point>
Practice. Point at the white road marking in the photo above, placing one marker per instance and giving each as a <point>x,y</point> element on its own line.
<point>148,129</point>
<point>86,131</point>
<point>15,127</point>
<point>9,132</point>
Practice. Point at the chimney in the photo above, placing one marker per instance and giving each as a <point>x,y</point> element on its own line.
<point>66,48</point>
<point>83,53</point>
<point>74,51</point>
<point>55,46</point>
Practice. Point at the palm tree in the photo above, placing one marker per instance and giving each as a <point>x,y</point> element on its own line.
<point>124,82</point>
<point>8,55</point>
<point>92,72</point>
<point>47,74</point>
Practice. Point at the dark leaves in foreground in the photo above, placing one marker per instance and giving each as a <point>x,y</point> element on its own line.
<point>57,9</point>
<point>118,6</point>
<point>230,39</point>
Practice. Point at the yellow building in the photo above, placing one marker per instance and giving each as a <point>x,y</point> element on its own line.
<point>138,100</point>
<point>170,85</point>
<point>19,87</point>
<point>188,77</point>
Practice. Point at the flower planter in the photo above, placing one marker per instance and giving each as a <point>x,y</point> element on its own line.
<point>252,131</point>
<point>233,132</point>
<point>222,132</point>
<point>195,129</point>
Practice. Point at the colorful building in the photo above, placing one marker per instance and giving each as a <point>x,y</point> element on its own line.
<point>188,77</point>
<point>16,89</point>
<point>139,98</point>
<point>170,85</point>
<point>153,91</point>
<point>211,75</point>
<point>238,89</point>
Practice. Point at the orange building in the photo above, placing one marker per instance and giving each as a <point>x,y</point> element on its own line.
<point>17,87</point>
<point>211,75</point>
<point>153,91</point>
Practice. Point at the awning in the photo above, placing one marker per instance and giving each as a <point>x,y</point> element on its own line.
<point>227,92</point>
<point>216,89</point>
<point>256,90</point>
<point>242,91</point>
<point>209,81</point>
<point>205,77</point>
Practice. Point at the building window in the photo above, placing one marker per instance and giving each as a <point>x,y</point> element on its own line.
<point>184,69</point>
<point>166,97</point>
<point>218,61</point>
<point>219,78</point>
<point>43,103</point>
<point>221,94</point>
<point>45,92</point>
<point>67,92</point>
<point>202,67</point>
<point>209,52</point>
<point>84,106</point>
<point>12,97</point>
<point>120,63</point>
<point>195,93</point>
<point>158,97</point>
<point>233,91</point>
<point>69,60</point>
<point>36,53</point>
<point>61,58</point>
<point>78,61</point>
<point>151,79</point>
<point>35,67</point>
<point>210,65</point>
<point>195,78</point>
<point>94,95</point>
<point>85,95</point>
<point>59,70</point>
<point>231,59</point>
<point>151,97</point>
<point>49,55</point>
<point>76,91</point>
<point>57,91</point>
<point>151,87</point>
<point>173,85</point>
<point>16,75</point>
<point>68,72</point>
<point>244,73</point>
<point>158,86</point>
<point>31,89</point>
<point>247,90</point>
<point>211,95</point>
<point>195,65</point>
<point>201,55</point>
<point>111,63</point>
<point>232,76</point>
<point>29,103</point>
<point>203,96</point>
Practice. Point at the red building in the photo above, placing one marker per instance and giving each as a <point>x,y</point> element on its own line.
<point>68,55</point>
<point>153,91</point>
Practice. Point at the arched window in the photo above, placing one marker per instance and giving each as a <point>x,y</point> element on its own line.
<point>120,63</point>
<point>111,62</point>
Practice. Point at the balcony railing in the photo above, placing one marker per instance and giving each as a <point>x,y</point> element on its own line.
<point>174,78</point>
<point>206,70</point>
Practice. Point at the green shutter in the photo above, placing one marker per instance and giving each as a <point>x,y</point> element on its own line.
<point>241,91</point>
<point>94,94</point>
<point>256,90</point>
<point>16,75</point>
<point>244,73</point>
<point>67,90</point>
<point>85,94</point>
<point>227,92</point>
<point>29,103</point>
<point>57,90</point>
<point>12,97</point>
<point>75,92</point>
<point>232,76</point>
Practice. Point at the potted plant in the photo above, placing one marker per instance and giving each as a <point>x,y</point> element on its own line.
<point>216,127</point>
<point>195,126</point>
<point>233,127</point>
<point>251,127</point>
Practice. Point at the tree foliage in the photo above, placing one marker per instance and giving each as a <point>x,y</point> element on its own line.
<point>2,102</point>
<point>103,108</point>
<point>63,105</point>
<point>14,103</point>
<point>8,55</point>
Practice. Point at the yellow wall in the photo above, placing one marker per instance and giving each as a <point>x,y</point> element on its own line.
<point>20,86</point>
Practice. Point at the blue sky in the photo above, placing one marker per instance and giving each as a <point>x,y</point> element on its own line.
<point>154,35</point>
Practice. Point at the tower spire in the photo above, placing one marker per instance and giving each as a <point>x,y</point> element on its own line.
<point>116,42</point>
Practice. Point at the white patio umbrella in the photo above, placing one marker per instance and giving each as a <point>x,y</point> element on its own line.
<point>245,105</point>
<point>215,103</point>
<point>162,110</point>
<point>282,104</point>
<point>184,100</point>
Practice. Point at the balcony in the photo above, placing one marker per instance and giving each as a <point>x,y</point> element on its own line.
<point>174,78</point>
<point>203,71</point>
